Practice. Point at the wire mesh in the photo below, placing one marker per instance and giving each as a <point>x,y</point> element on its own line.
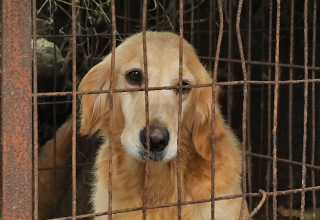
<point>262,54</point>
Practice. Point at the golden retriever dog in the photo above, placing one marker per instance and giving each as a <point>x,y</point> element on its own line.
<point>129,129</point>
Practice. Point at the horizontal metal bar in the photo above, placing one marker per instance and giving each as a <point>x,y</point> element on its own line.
<point>241,82</point>
<point>279,193</point>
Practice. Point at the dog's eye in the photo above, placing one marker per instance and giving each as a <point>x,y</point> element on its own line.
<point>184,90</point>
<point>134,77</point>
<point>185,83</point>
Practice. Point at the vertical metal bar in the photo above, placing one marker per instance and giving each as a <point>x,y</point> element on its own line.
<point>192,23</point>
<point>249,101</point>
<point>141,14</point>
<point>174,23</point>
<point>305,110</point>
<point>230,73</point>
<point>275,113</point>
<point>213,106</point>
<point>262,106</point>
<point>129,18</point>
<point>269,106</point>
<point>157,16</point>
<point>16,109</point>
<point>54,113</point>
<point>244,113</point>
<point>180,107</point>
<point>210,33</point>
<point>125,18</point>
<point>74,111</point>
<point>214,37</point>
<point>290,106</point>
<point>198,27</point>
<point>313,150</point>
<point>113,60</point>
<point>146,84</point>
<point>35,113</point>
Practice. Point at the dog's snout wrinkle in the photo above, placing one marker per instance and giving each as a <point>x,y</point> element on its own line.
<point>158,136</point>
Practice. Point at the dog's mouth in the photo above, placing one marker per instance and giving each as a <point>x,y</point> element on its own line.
<point>155,156</point>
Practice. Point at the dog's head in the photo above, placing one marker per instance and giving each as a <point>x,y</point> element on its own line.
<point>129,107</point>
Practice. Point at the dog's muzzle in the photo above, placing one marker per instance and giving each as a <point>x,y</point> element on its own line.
<point>159,138</point>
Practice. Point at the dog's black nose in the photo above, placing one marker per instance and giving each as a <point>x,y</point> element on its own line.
<point>159,138</point>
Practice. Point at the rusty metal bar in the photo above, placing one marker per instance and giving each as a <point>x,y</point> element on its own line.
<point>305,111</point>
<point>249,101</point>
<point>261,63</point>
<point>263,129</point>
<point>275,113</point>
<point>285,161</point>
<point>286,192</point>
<point>313,150</point>
<point>269,105</point>
<point>113,58</point>
<point>248,154</point>
<point>74,111</point>
<point>126,20</point>
<point>210,38</point>
<point>240,82</point>
<point>213,106</point>
<point>263,199</point>
<point>192,23</point>
<point>54,118</point>
<point>35,114</point>
<point>244,112</point>
<point>230,72</point>
<point>291,105</point>
<point>198,27</point>
<point>180,107</point>
<point>146,87</point>
<point>157,16</point>
<point>16,109</point>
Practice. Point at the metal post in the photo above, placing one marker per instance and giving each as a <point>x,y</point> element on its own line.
<point>16,109</point>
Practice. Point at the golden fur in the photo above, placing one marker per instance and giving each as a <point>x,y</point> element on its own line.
<point>129,118</point>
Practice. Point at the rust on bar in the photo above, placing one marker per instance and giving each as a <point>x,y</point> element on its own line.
<point>240,82</point>
<point>35,115</point>
<point>263,63</point>
<point>249,39</point>
<point>285,192</point>
<point>244,112</point>
<point>210,33</point>
<point>180,107</point>
<point>192,23</point>
<point>248,154</point>
<point>290,106</point>
<point>284,161</point>
<point>146,87</point>
<point>305,111</point>
<point>313,150</point>
<point>213,106</point>
<point>16,110</point>
<point>263,199</point>
<point>74,111</point>
<point>113,58</point>
<point>275,114</point>
<point>230,72</point>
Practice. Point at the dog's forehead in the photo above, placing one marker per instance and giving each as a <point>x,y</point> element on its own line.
<point>162,60</point>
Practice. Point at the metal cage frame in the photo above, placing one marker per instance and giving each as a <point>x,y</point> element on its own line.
<point>19,101</point>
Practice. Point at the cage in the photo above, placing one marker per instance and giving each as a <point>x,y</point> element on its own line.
<point>262,54</point>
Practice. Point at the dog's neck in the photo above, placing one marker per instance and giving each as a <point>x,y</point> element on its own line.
<point>162,184</point>
<point>162,187</point>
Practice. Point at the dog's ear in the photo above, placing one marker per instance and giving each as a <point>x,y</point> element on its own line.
<point>95,107</point>
<point>201,133</point>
